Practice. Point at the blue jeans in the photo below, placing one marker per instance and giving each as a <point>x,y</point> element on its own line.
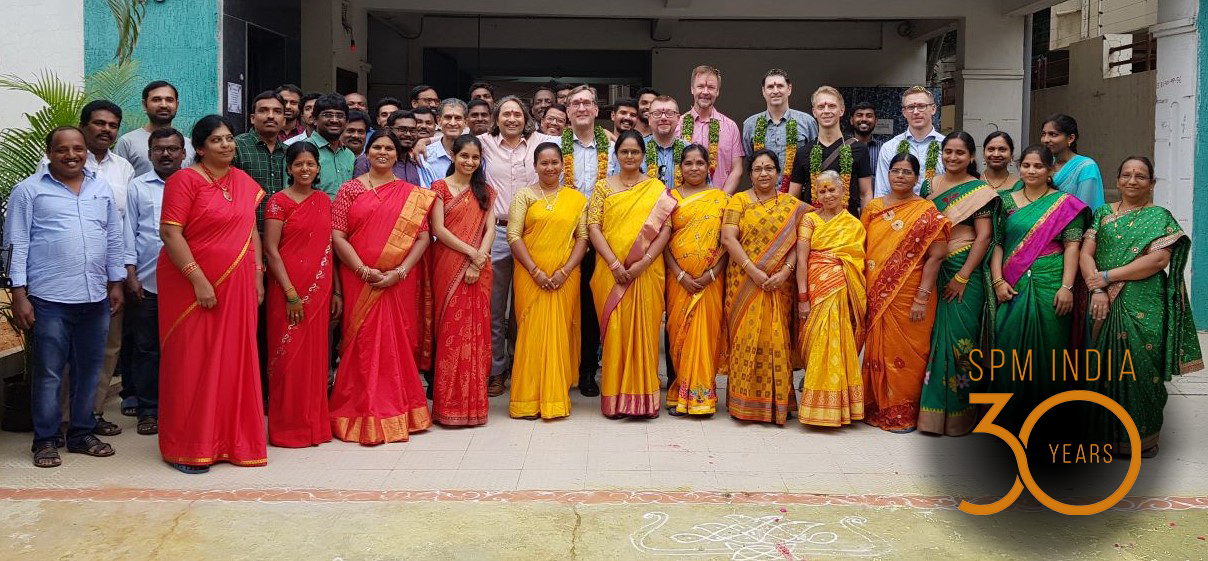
<point>66,334</point>
<point>143,321</point>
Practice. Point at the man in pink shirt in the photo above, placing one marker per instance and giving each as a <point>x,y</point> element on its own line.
<point>706,88</point>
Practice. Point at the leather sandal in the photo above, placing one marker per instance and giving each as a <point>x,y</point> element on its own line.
<point>92,447</point>
<point>148,425</point>
<point>47,456</point>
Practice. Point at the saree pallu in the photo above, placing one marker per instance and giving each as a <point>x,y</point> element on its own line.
<point>378,396</point>
<point>546,362</point>
<point>695,321</point>
<point>759,359</point>
<point>944,402</point>
<point>298,354</point>
<point>463,314</point>
<point>210,405</point>
<point>1033,264</point>
<point>630,315</point>
<point>1080,177</point>
<point>1150,319</point>
<point>832,393</point>
<point>896,349</point>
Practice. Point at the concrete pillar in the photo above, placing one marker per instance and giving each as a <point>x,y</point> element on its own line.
<point>989,76</point>
<point>318,62</point>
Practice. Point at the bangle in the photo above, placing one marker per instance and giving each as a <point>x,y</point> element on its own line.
<point>401,271</point>
<point>747,262</point>
<point>1098,291</point>
<point>803,297</point>
<point>958,278</point>
<point>994,283</point>
<point>293,300</point>
<point>922,290</point>
<point>680,276</point>
<point>1105,279</point>
<point>533,271</point>
<point>712,275</point>
<point>649,259</point>
<point>1069,288</point>
<point>261,268</point>
<point>189,268</point>
<point>614,265</point>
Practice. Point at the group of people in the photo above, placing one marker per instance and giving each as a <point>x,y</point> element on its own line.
<point>470,249</point>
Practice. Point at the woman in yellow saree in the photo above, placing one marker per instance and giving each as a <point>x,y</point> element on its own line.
<point>627,224</point>
<point>830,305</point>
<point>547,231</point>
<point>759,231</point>
<point>695,268</point>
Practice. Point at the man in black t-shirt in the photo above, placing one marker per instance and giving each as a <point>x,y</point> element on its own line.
<point>835,153</point>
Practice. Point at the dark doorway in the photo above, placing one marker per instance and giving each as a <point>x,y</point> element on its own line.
<point>346,81</point>
<point>266,54</point>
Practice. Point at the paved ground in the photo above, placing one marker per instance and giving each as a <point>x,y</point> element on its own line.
<point>591,488</point>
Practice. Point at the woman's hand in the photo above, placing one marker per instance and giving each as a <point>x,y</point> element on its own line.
<point>1004,292</point>
<point>1100,304</point>
<point>293,312</point>
<point>777,280</point>
<point>803,310</point>
<point>1063,301</point>
<point>337,305</point>
<point>1095,281</point>
<point>388,279</point>
<point>692,285</point>
<point>479,259</point>
<point>620,274</point>
<point>374,276</point>
<point>259,288</point>
<point>954,291</point>
<point>757,275</point>
<point>471,275</point>
<point>559,278</point>
<point>918,310</point>
<point>204,292</point>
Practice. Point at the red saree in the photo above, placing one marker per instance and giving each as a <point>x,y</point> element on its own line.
<point>378,396</point>
<point>463,315</point>
<point>210,408</point>
<point>298,354</point>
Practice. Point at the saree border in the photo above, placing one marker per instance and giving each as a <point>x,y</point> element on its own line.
<point>926,227</point>
<point>1040,223</point>
<point>745,293</point>
<point>650,230</point>
<point>221,279</point>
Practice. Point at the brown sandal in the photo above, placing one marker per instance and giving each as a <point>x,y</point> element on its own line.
<point>47,456</point>
<point>148,425</point>
<point>92,447</point>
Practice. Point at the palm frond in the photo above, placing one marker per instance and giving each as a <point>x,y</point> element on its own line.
<point>46,86</point>
<point>128,15</point>
<point>113,82</point>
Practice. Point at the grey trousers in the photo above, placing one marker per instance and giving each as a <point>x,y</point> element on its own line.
<point>503,337</point>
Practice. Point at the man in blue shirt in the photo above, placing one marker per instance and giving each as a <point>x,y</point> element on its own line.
<point>144,200</point>
<point>664,114</point>
<point>65,234</point>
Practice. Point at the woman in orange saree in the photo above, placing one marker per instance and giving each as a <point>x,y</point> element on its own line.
<point>464,224</point>
<point>759,231</point>
<point>210,280</point>
<point>627,223</point>
<point>907,241</point>
<point>696,264</point>
<point>379,231</point>
<point>297,246</point>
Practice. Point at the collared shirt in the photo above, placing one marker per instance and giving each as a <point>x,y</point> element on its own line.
<point>144,202</point>
<point>266,168</point>
<point>286,134</point>
<point>436,163</point>
<point>509,170</point>
<point>134,147</point>
<point>874,151</point>
<point>666,159</point>
<point>335,166</point>
<point>405,168</point>
<point>65,248</point>
<point>297,138</point>
<point>587,164</point>
<point>918,148</point>
<point>114,170</point>
<point>729,141</point>
<point>775,137</point>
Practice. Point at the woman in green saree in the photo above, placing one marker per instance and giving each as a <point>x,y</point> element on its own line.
<point>1034,266</point>
<point>969,203</point>
<point>1137,307</point>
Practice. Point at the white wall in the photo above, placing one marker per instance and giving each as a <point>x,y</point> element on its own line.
<point>44,35</point>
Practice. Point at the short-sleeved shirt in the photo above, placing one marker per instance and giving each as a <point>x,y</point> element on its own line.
<point>729,141</point>
<point>861,167</point>
<point>775,137</point>
<point>335,166</point>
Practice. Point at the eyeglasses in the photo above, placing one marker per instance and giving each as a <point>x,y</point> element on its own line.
<point>166,150</point>
<point>582,103</point>
<point>404,130</point>
<point>901,172</point>
<point>916,108</point>
<point>332,115</point>
<point>1138,177</point>
<point>763,169</point>
<point>664,113</point>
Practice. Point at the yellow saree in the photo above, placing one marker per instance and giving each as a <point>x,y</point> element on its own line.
<point>759,357</point>
<point>546,359</point>
<point>694,321</point>
<point>630,315</point>
<point>832,393</point>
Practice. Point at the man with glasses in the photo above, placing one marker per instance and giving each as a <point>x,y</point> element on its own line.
<point>335,160</point>
<point>424,95</point>
<point>770,127</point>
<point>406,168</point>
<point>918,106</point>
<point>663,114</point>
<point>554,121</point>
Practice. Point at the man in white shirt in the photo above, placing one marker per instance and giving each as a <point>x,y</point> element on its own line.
<point>161,103</point>
<point>918,106</point>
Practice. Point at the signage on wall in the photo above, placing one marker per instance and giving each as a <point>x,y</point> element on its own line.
<point>234,97</point>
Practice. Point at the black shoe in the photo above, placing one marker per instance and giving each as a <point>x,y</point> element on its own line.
<point>105,428</point>
<point>587,385</point>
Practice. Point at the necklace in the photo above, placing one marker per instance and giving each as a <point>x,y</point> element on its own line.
<point>1120,210</point>
<point>226,191</point>
<point>1024,192</point>
<point>764,202</point>
<point>549,204</point>
<point>628,184</point>
<point>1000,183</point>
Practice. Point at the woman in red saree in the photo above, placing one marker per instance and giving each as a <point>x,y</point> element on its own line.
<point>379,231</point>
<point>210,282</point>
<point>461,283</point>
<point>297,247</point>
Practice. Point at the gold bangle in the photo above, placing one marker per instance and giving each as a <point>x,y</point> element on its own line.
<point>922,290</point>
<point>994,283</point>
<point>680,276</point>
<point>958,278</point>
<point>614,265</point>
<point>747,262</point>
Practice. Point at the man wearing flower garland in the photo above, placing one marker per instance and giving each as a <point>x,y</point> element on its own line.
<point>920,139</point>
<point>706,125</point>
<point>847,157</point>
<point>664,150</point>
<point>587,157</point>
<point>778,126</point>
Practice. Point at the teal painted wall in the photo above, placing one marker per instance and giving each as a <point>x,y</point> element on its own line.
<point>179,43</point>
<point>1199,245</point>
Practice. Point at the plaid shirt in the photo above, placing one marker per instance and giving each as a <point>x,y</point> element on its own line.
<point>267,168</point>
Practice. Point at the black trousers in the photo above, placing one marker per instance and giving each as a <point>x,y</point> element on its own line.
<point>589,356</point>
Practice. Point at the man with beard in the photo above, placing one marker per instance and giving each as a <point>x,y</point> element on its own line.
<point>356,101</point>
<point>863,122</point>
<point>624,116</point>
<point>259,152</point>
<point>478,116</point>
<point>307,118</point>
<point>407,167</point>
<point>425,121</point>
<point>293,126</point>
<point>832,150</point>
<point>161,102</point>
<point>554,121</point>
<point>335,159</point>
<point>645,98</point>
<point>424,95</point>
<point>562,93</point>
<point>439,153</point>
<point>918,106</point>
<point>383,109</point>
<point>542,99</point>
<point>771,128</point>
<point>707,123</point>
<point>143,201</point>
<point>664,112</point>
<point>65,236</point>
<point>356,130</point>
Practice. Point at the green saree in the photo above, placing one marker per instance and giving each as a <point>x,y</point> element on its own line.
<point>1149,318</point>
<point>944,407</point>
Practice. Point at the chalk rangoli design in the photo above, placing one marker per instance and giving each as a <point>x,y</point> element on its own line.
<point>764,538</point>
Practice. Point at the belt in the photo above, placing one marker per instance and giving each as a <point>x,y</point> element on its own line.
<point>502,223</point>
